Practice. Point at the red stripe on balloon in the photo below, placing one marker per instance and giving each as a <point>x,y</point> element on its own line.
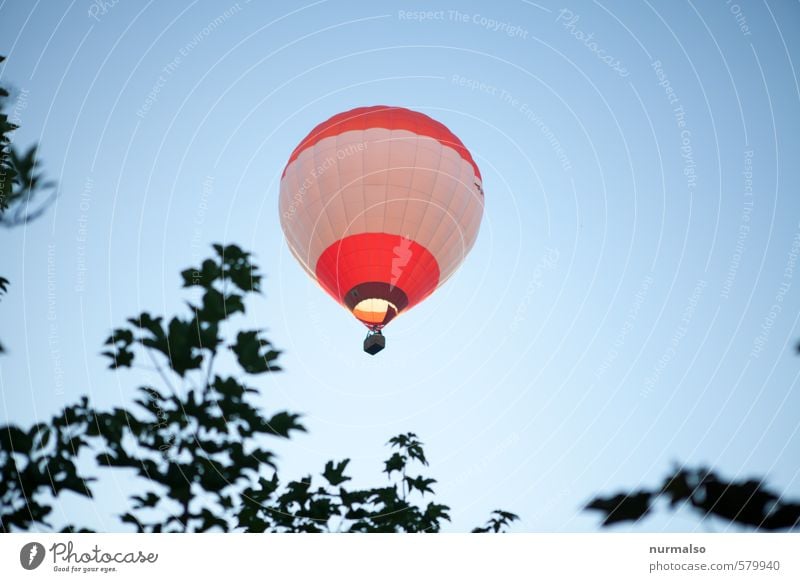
<point>385,117</point>
<point>377,257</point>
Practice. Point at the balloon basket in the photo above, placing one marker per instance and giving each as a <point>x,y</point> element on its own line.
<point>374,343</point>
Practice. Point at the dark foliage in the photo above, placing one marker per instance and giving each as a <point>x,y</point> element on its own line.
<point>749,502</point>
<point>40,462</point>
<point>200,440</point>
<point>498,522</point>
<point>7,172</point>
<point>24,193</point>
<point>330,505</point>
<point>30,193</point>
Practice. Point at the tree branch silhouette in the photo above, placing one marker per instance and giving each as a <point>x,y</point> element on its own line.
<point>747,502</point>
<point>203,454</point>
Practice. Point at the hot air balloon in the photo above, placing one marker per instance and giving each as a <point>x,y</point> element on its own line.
<point>380,205</point>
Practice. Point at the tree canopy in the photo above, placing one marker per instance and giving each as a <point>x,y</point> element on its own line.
<point>200,443</point>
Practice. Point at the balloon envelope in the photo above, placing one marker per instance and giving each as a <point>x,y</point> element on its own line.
<point>380,205</point>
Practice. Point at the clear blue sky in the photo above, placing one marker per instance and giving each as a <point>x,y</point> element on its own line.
<point>615,316</point>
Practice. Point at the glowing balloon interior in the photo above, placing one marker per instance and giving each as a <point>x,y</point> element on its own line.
<point>380,205</point>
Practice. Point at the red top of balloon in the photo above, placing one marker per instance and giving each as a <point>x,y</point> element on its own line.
<point>387,117</point>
